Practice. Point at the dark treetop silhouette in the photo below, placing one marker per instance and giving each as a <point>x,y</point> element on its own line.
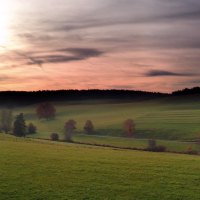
<point>12,98</point>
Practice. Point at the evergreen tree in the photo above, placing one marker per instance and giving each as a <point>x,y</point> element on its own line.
<point>19,126</point>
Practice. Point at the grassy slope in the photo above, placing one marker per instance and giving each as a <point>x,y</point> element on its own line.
<point>162,119</point>
<point>42,170</point>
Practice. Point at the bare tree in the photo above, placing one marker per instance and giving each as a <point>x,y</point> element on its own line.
<point>129,128</point>
<point>6,120</point>
<point>69,128</point>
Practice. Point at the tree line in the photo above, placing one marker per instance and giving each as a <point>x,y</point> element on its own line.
<point>14,98</point>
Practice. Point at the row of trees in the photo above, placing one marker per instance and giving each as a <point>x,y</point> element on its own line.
<point>70,127</point>
<point>19,127</point>
<point>48,111</point>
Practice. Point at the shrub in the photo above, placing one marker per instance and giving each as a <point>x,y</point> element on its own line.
<point>89,128</point>
<point>32,129</point>
<point>129,128</point>
<point>54,137</point>
<point>160,148</point>
<point>152,146</point>
<point>191,151</point>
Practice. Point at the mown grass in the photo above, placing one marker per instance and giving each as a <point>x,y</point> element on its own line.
<point>34,169</point>
<point>172,146</point>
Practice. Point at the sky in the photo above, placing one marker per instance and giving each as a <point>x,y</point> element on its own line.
<point>151,45</point>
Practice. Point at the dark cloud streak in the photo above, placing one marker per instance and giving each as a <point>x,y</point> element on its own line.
<point>155,73</point>
<point>68,55</point>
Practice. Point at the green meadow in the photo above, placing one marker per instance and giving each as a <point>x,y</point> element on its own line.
<point>33,169</point>
<point>154,119</point>
<point>160,119</point>
<point>173,122</point>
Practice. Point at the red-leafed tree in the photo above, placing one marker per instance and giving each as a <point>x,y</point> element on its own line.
<point>46,111</point>
<point>129,128</point>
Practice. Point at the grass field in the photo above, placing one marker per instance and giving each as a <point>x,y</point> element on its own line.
<point>33,169</point>
<point>173,146</point>
<point>161,119</point>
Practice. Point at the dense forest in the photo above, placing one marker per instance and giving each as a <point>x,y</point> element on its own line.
<point>11,98</point>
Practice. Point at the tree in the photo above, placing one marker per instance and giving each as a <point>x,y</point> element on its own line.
<point>32,129</point>
<point>69,128</point>
<point>19,126</point>
<point>129,128</point>
<point>6,120</point>
<point>46,111</point>
<point>89,127</point>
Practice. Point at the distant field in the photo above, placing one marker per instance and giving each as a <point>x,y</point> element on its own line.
<point>163,119</point>
<point>34,169</point>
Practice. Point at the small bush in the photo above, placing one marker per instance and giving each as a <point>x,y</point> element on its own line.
<point>160,148</point>
<point>54,137</point>
<point>191,151</point>
<point>32,129</point>
<point>152,146</point>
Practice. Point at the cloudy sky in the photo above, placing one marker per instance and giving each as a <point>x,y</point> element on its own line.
<point>151,45</point>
